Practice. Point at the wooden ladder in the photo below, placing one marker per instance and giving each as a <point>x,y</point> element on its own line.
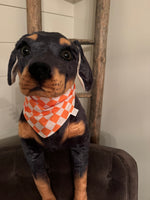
<point>34,23</point>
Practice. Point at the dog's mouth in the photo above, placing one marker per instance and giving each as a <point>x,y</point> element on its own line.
<point>53,87</point>
<point>38,88</point>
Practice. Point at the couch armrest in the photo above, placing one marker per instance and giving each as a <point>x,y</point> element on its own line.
<point>115,170</point>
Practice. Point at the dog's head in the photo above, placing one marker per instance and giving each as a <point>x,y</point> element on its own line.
<point>47,64</point>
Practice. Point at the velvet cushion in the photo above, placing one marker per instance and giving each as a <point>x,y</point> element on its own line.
<point>112,174</point>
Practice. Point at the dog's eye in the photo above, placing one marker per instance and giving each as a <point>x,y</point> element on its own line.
<point>25,50</point>
<point>66,55</point>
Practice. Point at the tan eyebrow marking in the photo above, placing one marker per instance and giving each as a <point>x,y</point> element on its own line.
<point>33,36</point>
<point>63,41</point>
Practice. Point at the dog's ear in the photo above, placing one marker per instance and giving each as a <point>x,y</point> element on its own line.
<point>12,68</point>
<point>84,72</point>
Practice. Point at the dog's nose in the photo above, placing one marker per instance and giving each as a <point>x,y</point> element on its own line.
<point>40,71</point>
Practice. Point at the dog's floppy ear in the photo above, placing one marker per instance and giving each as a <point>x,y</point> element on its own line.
<point>12,68</point>
<point>83,71</point>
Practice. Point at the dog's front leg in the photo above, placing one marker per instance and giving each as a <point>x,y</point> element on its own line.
<point>33,150</point>
<point>35,158</point>
<point>80,163</point>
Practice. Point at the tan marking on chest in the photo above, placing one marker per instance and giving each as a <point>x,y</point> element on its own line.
<point>26,132</point>
<point>73,130</point>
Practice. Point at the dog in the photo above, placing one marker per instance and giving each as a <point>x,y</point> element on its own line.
<point>52,118</point>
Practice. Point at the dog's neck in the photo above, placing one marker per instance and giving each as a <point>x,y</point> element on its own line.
<point>47,115</point>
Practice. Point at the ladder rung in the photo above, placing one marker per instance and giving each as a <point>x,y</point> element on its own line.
<point>84,41</point>
<point>84,95</point>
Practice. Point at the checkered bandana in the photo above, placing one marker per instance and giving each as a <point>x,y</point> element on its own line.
<point>47,115</point>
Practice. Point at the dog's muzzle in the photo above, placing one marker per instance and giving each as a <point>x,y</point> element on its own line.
<point>40,71</point>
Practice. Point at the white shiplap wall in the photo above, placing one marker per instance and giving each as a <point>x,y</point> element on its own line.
<point>13,25</point>
<point>57,15</point>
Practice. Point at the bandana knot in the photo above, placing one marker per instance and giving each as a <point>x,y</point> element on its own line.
<point>47,115</point>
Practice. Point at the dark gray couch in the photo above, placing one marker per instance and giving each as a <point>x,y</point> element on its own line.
<point>112,174</point>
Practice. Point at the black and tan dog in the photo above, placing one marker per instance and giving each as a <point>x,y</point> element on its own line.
<point>52,117</point>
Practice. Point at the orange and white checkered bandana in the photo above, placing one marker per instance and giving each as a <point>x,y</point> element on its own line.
<point>47,115</point>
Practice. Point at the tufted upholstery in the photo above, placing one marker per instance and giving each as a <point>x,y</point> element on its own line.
<point>112,174</point>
